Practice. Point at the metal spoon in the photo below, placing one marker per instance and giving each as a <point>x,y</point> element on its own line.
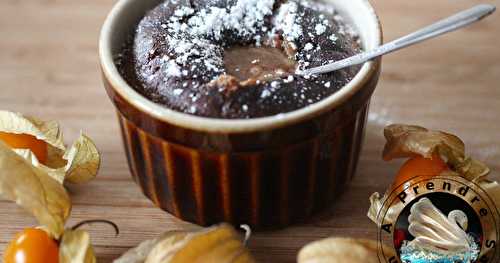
<point>444,26</point>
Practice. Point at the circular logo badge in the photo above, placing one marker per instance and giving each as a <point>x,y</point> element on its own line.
<point>442,219</point>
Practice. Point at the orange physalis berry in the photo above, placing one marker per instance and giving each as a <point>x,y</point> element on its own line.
<point>32,246</point>
<point>419,166</point>
<point>25,141</point>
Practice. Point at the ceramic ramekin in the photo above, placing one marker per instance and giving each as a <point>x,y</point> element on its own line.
<point>265,172</point>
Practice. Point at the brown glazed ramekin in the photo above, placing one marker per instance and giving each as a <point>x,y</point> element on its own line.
<point>265,172</point>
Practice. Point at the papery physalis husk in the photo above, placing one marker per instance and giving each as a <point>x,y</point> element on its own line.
<point>493,190</point>
<point>340,250</point>
<point>78,164</point>
<point>49,131</point>
<point>406,141</point>
<point>82,161</point>
<point>210,245</point>
<point>376,205</point>
<point>139,253</point>
<point>75,247</point>
<point>31,188</point>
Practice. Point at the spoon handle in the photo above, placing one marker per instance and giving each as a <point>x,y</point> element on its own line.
<point>444,26</point>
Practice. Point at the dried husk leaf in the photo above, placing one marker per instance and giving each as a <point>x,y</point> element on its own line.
<point>47,131</point>
<point>376,205</point>
<point>469,168</point>
<point>404,141</point>
<point>214,244</point>
<point>493,190</point>
<point>17,123</point>
<point>28,155</point>
<point>75,247</point>
<point>382,210</point>
<point>82,161</point>
<point>34,190</point>
<point>340,250</point>
<point>78,164</point>
<point>166,248</point>
<point>57,174</point>
<point>139,253</point>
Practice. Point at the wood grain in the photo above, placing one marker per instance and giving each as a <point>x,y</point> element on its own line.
<point>49,68</point>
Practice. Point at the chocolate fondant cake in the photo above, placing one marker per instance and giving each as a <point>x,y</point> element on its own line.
<point>237,58</point>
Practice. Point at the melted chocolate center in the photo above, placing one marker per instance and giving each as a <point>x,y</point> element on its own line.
<point>249,64</point>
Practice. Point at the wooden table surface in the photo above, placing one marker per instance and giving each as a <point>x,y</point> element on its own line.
<point>49,68</point>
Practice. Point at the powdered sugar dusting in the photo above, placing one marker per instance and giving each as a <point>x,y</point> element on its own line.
<point>288,21</point>
<point>308,46</point>
<point>191,34</point>
<point>320,28</point>
<point>172,69</point>
<point>244,18</point>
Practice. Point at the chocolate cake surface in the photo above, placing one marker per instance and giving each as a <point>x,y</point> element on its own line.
<point>237,58</point>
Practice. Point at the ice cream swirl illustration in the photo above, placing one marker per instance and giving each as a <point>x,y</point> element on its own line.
<point>437,237</point>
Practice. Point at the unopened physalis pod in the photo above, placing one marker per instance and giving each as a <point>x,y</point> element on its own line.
<point>339,250</point>
<point>216,244</point>
<point>34,166</point>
